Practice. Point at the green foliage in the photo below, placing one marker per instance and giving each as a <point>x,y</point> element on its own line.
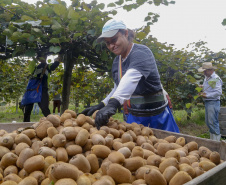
<point>188,105</point>
<point>224,22</point>
<point>54,49</point>
<point>13,75</point>
<point>178,70</point>
<point>204,135</point>
<point>118,116</point>
<point>197,116</point>
<point>72,31</point>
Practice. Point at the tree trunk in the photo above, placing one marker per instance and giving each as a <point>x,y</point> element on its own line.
<point>68,66</point>
<point>17,104</point>
<point>76,105</point>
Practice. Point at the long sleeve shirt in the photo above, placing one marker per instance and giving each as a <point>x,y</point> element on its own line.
<point>212,93</point>
<point>126,87</point>
<point>139,75</point>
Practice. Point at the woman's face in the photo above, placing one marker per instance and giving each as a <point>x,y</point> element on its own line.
<point>118,44</point>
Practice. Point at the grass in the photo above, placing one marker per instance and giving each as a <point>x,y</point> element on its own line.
<point>194,126</point>
<point>8,113</point>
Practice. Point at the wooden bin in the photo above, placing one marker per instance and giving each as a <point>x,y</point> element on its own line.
<point>215,176</point>
<point>10,127</point>
<point>222,121</point>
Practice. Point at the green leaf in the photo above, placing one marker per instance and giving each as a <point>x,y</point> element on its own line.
<point>72,25</point>
<point>101,6</point>
<point>31,66</point>
<point>59,9</point>
<point>157,2</point>
<point>56,25</point>
<point>141,35</point>
<point>83,18</point>
<point>44,18</point>
<point>16,35</point>
<point>113,12</point>
<point>191,79</point>
<point>26,18</point>
<point>140,2</point>
<point>55,49</point>
<point>91,32</point>
<point>37,30</point>
<point>85,6</point>
<point>197,76</point>
<point>7,32</point>
<point>146,29</point>
<point>172,2</point>
<point>147,18</point>
<point>54,40</point>
<point>111,5</point>
<point>212,83</point>
<point>120,2</point>
<point>128,7</point>
<point>195,97</point>
<point>26,35</point>
<point>188,105</point>
<point>72,14</point>
<point>224,22</point>
<point>199,89</point>
<point>64,39</point>
<point>77,35</point>
<point>30,53</point>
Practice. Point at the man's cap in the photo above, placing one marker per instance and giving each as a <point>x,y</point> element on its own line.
<point>110,28</point>
<point>206,65</point>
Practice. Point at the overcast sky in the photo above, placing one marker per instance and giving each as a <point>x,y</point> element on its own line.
<point>185,22</point>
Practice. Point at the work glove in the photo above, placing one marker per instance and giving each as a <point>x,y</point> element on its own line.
<point>105,113</point>
<point>89,111</point>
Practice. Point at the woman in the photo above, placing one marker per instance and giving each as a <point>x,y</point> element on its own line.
<point>136,82</point>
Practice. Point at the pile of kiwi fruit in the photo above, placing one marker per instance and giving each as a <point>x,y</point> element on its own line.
<point>70,150</point>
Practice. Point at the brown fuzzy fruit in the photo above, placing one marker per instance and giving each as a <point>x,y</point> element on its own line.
<point>54,120</point>
<point>119,173</point>
<point>215,157</point>
<point>154,177</point>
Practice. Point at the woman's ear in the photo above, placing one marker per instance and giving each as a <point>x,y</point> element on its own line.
<point>126,33</point>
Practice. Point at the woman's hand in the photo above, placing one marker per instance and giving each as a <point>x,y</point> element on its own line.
<point>103,115</point>
<point>90,110</point>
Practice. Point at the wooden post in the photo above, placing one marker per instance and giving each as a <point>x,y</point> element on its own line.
<point>222,121</point>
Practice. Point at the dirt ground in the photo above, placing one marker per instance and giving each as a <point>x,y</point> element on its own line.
<point>194,130</point>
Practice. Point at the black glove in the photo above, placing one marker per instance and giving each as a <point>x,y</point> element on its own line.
<point>105,113</point>
<point>89,111</point>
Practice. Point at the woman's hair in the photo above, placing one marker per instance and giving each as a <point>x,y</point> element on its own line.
<point>131,34</point>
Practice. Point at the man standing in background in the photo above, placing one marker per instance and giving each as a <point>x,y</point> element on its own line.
<point>36,108</point>
<point>212,90</point>
<point>56,103</point>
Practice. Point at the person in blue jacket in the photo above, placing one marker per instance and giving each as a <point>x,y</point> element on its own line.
<point>136,82</point>
<point>44,104</point>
